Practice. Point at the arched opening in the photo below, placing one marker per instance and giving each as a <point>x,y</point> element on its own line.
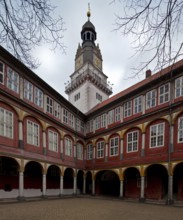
<point>80,181</point>
<point>178,182</point>
<point>107,183</point>
<point>53,180</point>
<point>132,183</point>
<point>9,177</point>
<point>33,179</point>
<point>88,183</point>
<point>156,184</point>
<point>68,181</point>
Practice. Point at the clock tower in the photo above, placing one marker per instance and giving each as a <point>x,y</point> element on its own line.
<point>88,85</point>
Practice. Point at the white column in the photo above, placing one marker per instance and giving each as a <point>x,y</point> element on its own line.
<point>75,185</point>
<point>93,186</point>
<point>121,188</point>
<point>61,185</point>
<point>84,184</point>
<point>142,186</point>
<point>21,184</point>
<point>44,185</point>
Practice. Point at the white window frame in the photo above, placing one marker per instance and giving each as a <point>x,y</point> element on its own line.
<point>151,99</point>
<point>103,121</point>
<point>157,132</point>
<point>164,95</point>
<point>89,152</point>
<point>111,117</point>
<point>100,149</point>
<point>28,90</point>
<point>6,123</point>
<point>114,146</point>
<point>117,114</point>
<point>52,141</point>
<point>179,87</point>
<point>70,120</point>
<point>12,80</point>
<point>137,105</point>
<point>49,105</point>
<point>2,73</point>
<point>38,97</point>
<point>65,116</point>
<point>97,122</point>
<point>132,141</point>
<point>57,110</point>
<point>127,109</point>
<point>180,130</point>
<point>68,147</point>
<point>33,133</point>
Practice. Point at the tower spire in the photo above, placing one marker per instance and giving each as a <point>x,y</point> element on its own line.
<point>88,12</point>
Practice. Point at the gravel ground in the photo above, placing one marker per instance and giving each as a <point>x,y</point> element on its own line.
<point>87,209</point>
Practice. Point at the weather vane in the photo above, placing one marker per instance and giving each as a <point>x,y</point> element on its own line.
<point>88,12</point>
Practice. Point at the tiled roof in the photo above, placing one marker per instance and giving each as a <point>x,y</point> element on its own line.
<point>137,85</point>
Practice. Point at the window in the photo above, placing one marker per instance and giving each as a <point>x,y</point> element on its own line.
<point>111,117</point>
<point>97,122</point>
<point>180,130</point>
<point>1,72</point>
<point>49,105</point>
<point>100,149</point>
<point>103,120</point>
<point>77,97</point>
<point>137,102</point>
<point>65,116</point>
<point>79,151</point>
<point>128,109</point>
<point>89,126</point>
<point>52,141</point>
<point>157,135</point>
<point>70,120</point>
<point>164,93</point>
<point>117,114</point>
<point>57,110</point>
<point>13,80</point>
<point>6,123</point>
<point>68,147</point>
<point>89,152</point>
<point>132,141</point>
<point>98,97</point>
<point>28,90</point>
<point>179,87</point>
<point>32,133</point>
<point>151,99</point>
<point>114,146</point>
<point>38,97</point>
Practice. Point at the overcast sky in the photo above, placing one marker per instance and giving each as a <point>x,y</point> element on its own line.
<point>116,50</point>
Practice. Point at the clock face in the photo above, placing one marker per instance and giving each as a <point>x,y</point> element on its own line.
<point>97,62</point>
<point>79,62</point>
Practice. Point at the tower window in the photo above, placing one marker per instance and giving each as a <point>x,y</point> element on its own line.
<point>88,36</point>
<point>77,97</point>
<point>98,97</point>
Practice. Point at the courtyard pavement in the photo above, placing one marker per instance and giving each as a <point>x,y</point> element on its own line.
<point>87,209</point>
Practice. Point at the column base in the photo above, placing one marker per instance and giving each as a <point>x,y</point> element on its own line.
<point>142,200</point>
<point>169,202</point>
<point>20,198</point>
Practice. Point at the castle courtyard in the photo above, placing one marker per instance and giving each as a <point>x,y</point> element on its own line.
<point>87,209</point>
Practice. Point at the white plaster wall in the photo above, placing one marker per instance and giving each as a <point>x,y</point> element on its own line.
<point>8,195</point>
